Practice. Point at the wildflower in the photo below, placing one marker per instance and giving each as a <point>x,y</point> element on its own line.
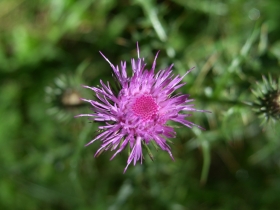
<point>139,113</point>
<point>267,104</point>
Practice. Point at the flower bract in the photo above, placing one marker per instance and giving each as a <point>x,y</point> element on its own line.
<point>267,103</point>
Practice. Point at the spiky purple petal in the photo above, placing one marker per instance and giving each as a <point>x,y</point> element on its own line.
<point>140,112</point>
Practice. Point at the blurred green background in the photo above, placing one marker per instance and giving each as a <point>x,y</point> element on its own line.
<point>48,48</point>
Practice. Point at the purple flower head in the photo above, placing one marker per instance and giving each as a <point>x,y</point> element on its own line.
<point>139,113</point>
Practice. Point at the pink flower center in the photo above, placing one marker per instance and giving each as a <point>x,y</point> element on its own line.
<point>145,107</point>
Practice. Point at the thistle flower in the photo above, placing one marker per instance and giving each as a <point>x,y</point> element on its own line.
<point>138,114</point>
<point>267,104</point>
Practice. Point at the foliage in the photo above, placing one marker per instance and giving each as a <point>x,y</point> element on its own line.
<point>48,47</point>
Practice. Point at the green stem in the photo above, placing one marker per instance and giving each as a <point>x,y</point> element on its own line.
<point>206,162</point>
